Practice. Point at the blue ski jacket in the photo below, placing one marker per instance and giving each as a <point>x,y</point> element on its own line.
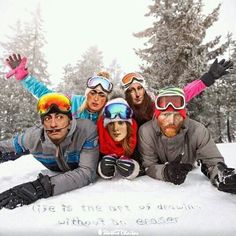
<point>38,89</point>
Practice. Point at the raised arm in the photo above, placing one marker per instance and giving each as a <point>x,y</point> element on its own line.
<point>20,71</point>
<point>217,70</point>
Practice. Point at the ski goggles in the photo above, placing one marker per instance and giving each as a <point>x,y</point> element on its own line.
<point>49,100</point>
<point>176,101</point>
<point>113,110</point>
<point>128,79</point>
<point>94,81</point>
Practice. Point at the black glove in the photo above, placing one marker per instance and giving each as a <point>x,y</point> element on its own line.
<point>107,167</point>
<point>175,171</point>
<point>11,156</point>
<point>216,71</point>
<point>127,168</point>
<point>27,193</point>
<point>226,178</point>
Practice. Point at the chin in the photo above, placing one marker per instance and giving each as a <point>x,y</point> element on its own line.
<point>170,133</point>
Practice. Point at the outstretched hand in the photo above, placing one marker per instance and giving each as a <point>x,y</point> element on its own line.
<point>217,69</point>
<point>13,61</point>
<point>17,66</point>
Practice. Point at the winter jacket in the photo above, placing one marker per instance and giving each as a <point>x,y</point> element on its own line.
<point>193,140</point>
<point>75,157</point>
<point>108,146</point>
<point>38,89</point>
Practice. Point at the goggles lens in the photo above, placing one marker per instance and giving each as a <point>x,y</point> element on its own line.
<point>177,102</point>
<point>129,78</point>
<point>53,99</point>
<point>118,109</point>
<point>94,81</point>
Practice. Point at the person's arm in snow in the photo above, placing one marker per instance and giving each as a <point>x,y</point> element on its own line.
<point>13,148</point>
<point>150,159</point>
<point>86,172</point>
<point>20,71</point>
<point>207,152</point>
<point>217,69</point>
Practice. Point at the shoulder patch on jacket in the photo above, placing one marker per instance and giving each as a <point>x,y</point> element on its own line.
<point>91,143</point>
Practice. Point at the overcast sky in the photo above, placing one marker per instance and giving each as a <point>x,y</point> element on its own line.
<point>72,26</point>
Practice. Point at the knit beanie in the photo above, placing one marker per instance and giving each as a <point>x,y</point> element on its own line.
<point>132,78</point>
<point>170,91</point>
<point>117,118</point>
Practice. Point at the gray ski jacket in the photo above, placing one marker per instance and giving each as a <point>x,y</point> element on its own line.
<point>193,141</point>
<point>75,158</point>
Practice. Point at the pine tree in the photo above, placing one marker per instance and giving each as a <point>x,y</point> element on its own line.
<point>175,52</point>
<point>18,107</point>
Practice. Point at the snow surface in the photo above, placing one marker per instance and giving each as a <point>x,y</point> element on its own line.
<point>143,206</point>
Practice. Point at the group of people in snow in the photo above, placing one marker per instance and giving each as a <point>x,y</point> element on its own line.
<point>105,134</point>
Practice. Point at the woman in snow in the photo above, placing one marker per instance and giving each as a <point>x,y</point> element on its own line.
<point>117,140</point>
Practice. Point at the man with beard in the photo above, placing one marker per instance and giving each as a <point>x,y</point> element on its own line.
<point>171,143</point>
<point>64,145</point>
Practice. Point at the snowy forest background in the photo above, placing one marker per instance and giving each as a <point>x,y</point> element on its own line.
<point>174,53</point>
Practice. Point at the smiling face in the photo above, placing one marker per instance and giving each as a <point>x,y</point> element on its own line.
<point>96,99</point>
<point>137,92</point>
<point>57,126</point>
<point>170,123</point>
<point>117,130</point>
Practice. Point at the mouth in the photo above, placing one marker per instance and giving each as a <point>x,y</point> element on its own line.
<point>95,104</point>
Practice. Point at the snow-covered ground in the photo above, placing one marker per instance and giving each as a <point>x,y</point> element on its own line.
<point>143,206</point>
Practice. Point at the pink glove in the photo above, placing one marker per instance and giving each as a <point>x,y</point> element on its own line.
<point>18,67</point>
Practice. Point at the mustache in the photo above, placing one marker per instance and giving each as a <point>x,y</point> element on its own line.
<point>170,126</point>
<point>56,130</point>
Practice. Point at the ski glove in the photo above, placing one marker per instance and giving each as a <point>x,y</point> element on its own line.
<point>107,166</point>
<point>127,168</point>
<point>27,193</point>
<point>217,69</point>
<point>175,171</point>
<point>226,178</point>
<point>18,67</point>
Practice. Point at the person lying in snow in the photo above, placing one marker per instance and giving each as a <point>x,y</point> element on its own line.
<point>62,144</point>
<point>117,140</point>
<point>171,143</point>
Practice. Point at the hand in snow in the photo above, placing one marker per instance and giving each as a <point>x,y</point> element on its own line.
<point>27,193</point>
<point>226,178</point>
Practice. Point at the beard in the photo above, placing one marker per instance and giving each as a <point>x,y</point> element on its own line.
<point>171,131</point>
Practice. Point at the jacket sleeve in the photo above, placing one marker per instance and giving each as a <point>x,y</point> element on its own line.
<point>192,89</point>
<point>16,146</point>
<point>208,153</point>
<point>86,172</point>
<point>150,159</point>
<point>35,87</point>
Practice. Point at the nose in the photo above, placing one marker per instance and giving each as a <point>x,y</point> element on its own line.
<point>96,97</point>
<point>137,93</point>
<point>53,122</point>
<point>115,126</point>
<point>171,118</point>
